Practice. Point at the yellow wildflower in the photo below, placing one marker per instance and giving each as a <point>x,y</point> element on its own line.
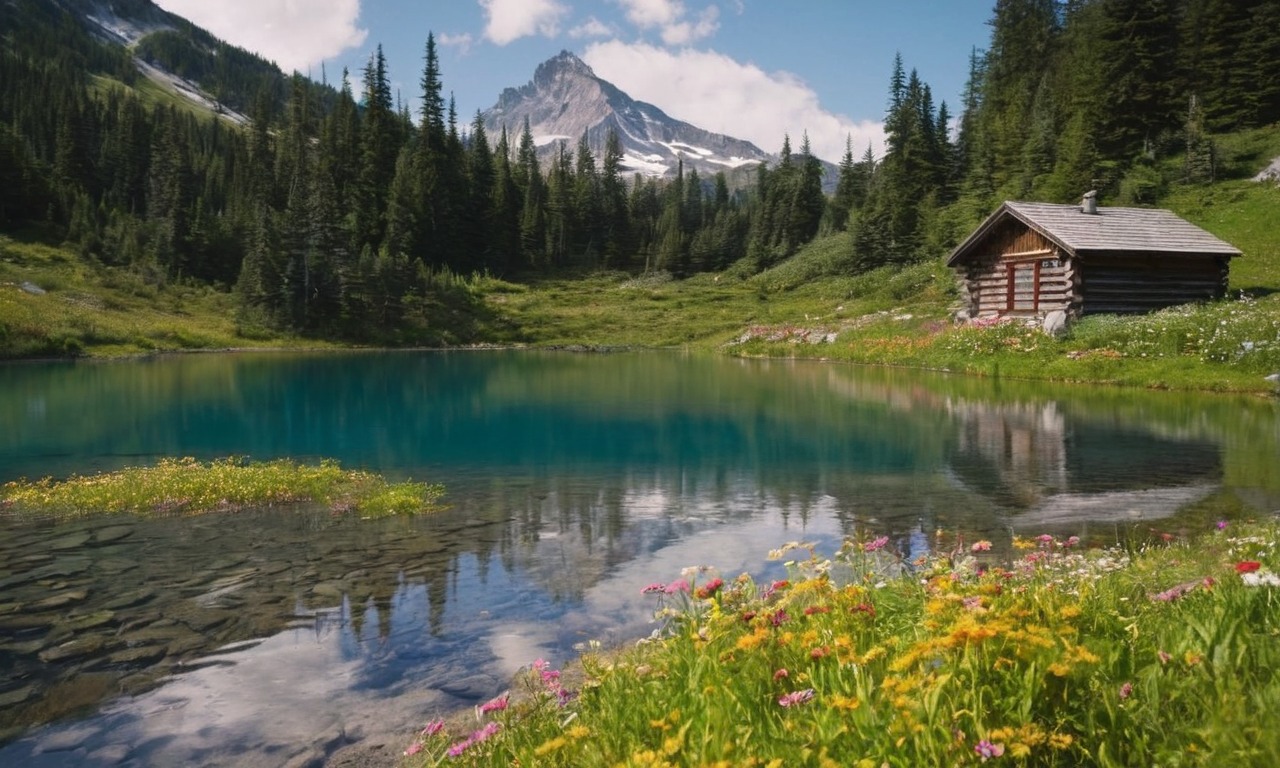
<point>547,747</point>
<point>1061,740</point>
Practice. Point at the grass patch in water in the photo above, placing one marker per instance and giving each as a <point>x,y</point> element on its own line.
<point>187,486</point>
<point>1045,655</point>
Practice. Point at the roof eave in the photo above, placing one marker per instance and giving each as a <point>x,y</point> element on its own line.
<point>990,222</point>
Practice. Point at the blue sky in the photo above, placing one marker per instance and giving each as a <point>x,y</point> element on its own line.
<point>754,69</point>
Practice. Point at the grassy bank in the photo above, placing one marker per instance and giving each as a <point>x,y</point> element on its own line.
<point>186,486</point>
<point>54,304</point>
<point>1046,655</point>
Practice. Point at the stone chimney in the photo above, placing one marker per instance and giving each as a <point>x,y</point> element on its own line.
<point>1089,204</point>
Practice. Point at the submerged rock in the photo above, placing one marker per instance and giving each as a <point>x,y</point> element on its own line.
<point>73,649</point>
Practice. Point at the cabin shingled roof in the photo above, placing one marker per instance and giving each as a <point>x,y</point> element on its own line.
<point>1110,229</point>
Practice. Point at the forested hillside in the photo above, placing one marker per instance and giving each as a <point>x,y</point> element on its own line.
<point>336,212</point>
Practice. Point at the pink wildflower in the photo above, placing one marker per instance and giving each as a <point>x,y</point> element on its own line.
<point>773,588</point>
<point>413,749</point>
<point>1164,657</point>
<point>1073,541</point>
<point>796,698</point>
<point>778,617</point>
<point>475,738</point>
<point>875,544</point>
<point>781,673</point>
<point>677,586</point>
<point>1173,593</point>
<point>981,546</point>
<point>656,586</point>
<point>1126,690</point>
<point>1045,539</point>
<point>1222,525</point>
<point>986,750</point>
<point>433,727</point>
<point>495,705</point>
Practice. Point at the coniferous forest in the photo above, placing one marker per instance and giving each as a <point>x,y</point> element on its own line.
<point>336,212</point>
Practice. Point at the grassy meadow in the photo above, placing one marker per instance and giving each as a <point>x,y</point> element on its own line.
<point>1032,652</point>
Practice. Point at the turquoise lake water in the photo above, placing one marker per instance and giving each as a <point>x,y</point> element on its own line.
<point>572,480</point>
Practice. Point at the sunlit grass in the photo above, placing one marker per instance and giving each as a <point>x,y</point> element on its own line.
<point>1046,655</point>
<point>187,486</point>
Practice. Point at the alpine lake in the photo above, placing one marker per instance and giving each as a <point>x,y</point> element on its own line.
<point>283,635</point>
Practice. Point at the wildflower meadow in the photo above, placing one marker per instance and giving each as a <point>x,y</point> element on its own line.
<point>187,486</point>
<point>1044,654</point>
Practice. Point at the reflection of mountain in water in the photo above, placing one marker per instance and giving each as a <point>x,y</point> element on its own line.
<point>1047,467</point>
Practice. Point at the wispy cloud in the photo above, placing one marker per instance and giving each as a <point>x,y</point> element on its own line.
<point>592,27</point>
<point>718,93</point>
<point>462,42</point>
<point>294,35</point>
<point>671,19</point>
<point>510,20</point>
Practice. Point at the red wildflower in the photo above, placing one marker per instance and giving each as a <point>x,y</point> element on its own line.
<point>709,589</point>
<point>1247,566</point>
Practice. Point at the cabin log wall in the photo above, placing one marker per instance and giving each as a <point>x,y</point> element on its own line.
<point>1136,283</point>
<point>988,278</point>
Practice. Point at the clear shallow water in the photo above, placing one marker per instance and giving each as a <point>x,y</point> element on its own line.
<point>284,634</point>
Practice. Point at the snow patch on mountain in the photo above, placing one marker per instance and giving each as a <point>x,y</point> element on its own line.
<point>117,29</point>
<point>542,141</point>
<point>649,165</point>
<point>189,91</point>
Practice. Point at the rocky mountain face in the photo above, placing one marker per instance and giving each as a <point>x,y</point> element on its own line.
<point>566,99</point>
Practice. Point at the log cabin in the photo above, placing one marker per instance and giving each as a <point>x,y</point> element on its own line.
<point>1035,260</point>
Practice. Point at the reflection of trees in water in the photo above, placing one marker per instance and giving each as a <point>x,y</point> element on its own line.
<point>1050,466</point>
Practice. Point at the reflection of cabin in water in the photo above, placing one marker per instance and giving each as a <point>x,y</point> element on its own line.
<point>1048,468</point>
<point>1030,259</point>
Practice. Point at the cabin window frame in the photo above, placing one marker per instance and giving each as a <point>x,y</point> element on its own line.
<point>1013,297</point>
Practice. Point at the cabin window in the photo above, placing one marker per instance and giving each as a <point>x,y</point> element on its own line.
<point>1024,286</point>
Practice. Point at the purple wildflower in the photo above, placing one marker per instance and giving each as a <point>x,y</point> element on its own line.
<point>1222,525</point>
<point>779,617</point>
<point>796,698</point>
<point>986,750</point>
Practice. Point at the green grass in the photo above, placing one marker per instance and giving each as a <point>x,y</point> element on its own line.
<point>1033,652</point>
<point>186,486</point>
<point>106,312</point>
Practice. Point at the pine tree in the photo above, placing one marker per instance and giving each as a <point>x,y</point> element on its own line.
<point>379,150</point>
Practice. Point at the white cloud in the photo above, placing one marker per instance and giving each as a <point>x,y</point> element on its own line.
<point>461,42</point>
<point>592,27</point>
<point>686,32</point>
<point>294,35</point>
<point>715,92</point>
<point>510,20</point>
<point>668,17</point>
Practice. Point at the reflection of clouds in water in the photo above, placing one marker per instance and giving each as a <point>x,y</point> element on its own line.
<point>614,609</point>
<point>286,696</point>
